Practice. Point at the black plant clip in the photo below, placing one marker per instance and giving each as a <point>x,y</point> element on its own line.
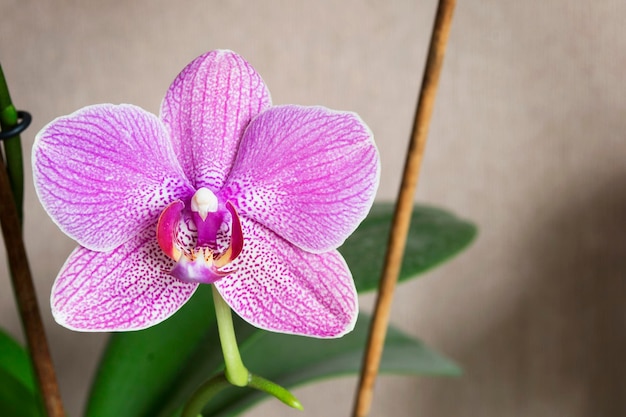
<point>24,119</point>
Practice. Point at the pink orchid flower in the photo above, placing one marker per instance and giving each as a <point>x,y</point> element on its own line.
<point>223,188</point>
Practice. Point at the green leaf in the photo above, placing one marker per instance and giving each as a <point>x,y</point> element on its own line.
<point>434,237</point>
<point>295,360</point>
<point>18,394</point>
<point>15,361</point>
<point>138,369</point>
<point>152,372</point>
<point>15,399</point>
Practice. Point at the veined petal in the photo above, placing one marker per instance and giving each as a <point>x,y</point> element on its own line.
<point>128,288</point>
<point>308,173</point>
<point>279,287</point>
<point>105,172</point>
<point>206,110</point>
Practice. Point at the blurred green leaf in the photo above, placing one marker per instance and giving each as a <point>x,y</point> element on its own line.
<point>138,369</point>
<point>152,372</point>
<point>434,237</point>
<point>15,399</point>
<point>295,360</point>
<point>15,361</point>
<point>18,395</point>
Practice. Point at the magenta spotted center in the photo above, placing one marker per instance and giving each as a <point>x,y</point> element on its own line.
<point>203,262</point>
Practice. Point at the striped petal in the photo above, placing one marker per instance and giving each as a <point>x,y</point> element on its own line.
<point>279,287</point>
<point>129,288</point>
<point>308,173</point>
<point>105,173</point>
<point>206,110</point>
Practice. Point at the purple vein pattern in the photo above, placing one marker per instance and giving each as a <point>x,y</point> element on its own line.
<point>298,180</point>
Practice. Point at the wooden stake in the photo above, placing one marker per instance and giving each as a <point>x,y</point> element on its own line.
<point>404,208</point>
<point>26,299</point>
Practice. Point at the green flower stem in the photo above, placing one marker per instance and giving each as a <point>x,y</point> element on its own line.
<point>236,372</point>
<point>275,390</point>
<point>12,146</point>
<point>204,394</point>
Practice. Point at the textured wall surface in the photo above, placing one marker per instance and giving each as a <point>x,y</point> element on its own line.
<point>528,139</point>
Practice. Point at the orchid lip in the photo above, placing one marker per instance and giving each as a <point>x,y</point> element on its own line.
<point>201,264</point>
<point>198,267</point>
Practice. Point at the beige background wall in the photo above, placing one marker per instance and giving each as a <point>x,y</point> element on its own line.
<point>528,140</point>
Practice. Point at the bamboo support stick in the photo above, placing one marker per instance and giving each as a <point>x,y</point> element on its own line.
<point>404,207</point>
<point>27,301</point>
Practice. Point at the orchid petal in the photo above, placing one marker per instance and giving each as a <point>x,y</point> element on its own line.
<point>308,173</point>
<point>281,288</point>
<point>129,288</point>
<point>206,110</point>
<point>105,172</point>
